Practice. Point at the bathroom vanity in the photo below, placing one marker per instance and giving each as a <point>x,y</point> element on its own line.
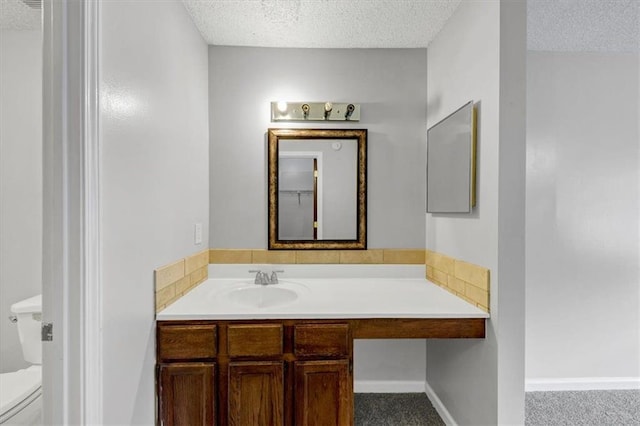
<point>233,353</point>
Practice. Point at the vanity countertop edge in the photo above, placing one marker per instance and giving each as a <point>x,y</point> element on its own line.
<point>334,298</point>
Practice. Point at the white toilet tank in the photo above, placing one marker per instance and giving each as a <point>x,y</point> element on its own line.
<point>29,314</point>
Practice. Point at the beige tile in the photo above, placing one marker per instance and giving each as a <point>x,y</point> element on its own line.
<point>428,257</point>
<point>361,256</point>
<point>229,256</point>
<point>404,257</point>
<point>430,275</point>
<point>449,290</point>
<point>439,261</point>
<point>474,274</point>
<point>195,284</point>
<point>159,308</point>
<point>166,295</point>
<point>273,256</point>
<point>169,274</point>
<point>440,277</point>
<point>476,294</point>
<point>183,285</point>
<point>196,261</point>
<point>199,276</point>
<point>317,256</point>
<point>467,299</point>
<point>195,279</point>
<point>456,284</point>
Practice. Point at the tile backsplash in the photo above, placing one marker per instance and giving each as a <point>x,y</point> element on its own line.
<point>178,278</point>
<point>466,280</point>
<point>374,256</point>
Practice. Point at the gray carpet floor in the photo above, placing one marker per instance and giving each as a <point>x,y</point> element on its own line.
<point>395,409</point>
<point>583,408</point>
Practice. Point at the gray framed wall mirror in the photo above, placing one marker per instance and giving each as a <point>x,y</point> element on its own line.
<point>451,162</point>
<point>317,189</point>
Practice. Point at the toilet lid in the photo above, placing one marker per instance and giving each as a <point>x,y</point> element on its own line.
<point>15,387</point>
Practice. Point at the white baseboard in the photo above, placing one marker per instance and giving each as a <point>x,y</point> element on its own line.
<point>581,383</point>
<point>388,386</point>
<point>439,406</point>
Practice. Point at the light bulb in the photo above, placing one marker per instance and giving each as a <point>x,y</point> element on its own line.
<point>282,106</point>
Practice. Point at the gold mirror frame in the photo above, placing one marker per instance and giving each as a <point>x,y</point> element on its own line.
<point>274,137</point>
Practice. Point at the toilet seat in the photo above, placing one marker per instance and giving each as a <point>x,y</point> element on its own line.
<point>18,391</point>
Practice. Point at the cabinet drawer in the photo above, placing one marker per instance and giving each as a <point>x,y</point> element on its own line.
<point>254,340</point>
<point>321,339</point>
<point>183,342</point>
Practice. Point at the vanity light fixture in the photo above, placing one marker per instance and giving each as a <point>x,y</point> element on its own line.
<point>305,110</point>
<point>282,106</point>
<point>350,109</point>
<point>314,111</point>
<point>328,107</point>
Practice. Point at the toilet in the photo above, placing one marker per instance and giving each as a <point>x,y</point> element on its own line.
<point>21,391</point>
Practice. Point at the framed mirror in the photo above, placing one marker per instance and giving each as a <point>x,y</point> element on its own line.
<point>451,162</point>
<point>317,189</point>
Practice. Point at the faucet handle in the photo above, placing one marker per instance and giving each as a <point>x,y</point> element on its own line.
<point>274,276</point>
<point>259,276</point>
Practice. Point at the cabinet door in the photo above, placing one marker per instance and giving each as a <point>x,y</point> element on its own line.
<point>256,393</point>
<point>323,393</point>
<point>186,392</point>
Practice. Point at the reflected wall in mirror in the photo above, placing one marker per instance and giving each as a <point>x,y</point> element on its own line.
<point>317,188</point>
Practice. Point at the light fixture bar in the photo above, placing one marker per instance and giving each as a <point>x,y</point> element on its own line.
<point>314,111</point>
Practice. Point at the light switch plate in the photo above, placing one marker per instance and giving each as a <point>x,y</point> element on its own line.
<point>197,233</point>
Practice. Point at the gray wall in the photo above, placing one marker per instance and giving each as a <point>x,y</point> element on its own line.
<point>20,181</point>
<point>390,85</point>
<point>480,55</point>
<point>154,170</point>
<point>583,192</point>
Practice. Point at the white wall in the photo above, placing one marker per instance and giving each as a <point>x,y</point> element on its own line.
<point>479,55</point>
<point>155,150</point>
<point>20,181</point>
<point>390,85</point>
<point>583,195</point>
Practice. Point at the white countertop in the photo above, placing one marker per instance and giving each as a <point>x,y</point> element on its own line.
<point>325,298</point>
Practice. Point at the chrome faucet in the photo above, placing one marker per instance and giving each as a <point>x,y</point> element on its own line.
<point>274,277</point>
<point>262,278</point>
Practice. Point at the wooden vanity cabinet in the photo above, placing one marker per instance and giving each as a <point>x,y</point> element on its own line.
<point>323,393</point>
<point>252,358</point>
<point>272,373</point>
<point>323,381</point>
<point>186,374</point>
<point>256,393</point>
<point>186,393</point>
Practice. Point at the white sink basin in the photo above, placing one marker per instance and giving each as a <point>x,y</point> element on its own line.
<point>263,296</point>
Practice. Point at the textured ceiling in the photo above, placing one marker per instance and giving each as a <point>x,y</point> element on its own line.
<point>16,15</point>
<point>320,23</point>
<point>584,25</point>
<point>553,25</point>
